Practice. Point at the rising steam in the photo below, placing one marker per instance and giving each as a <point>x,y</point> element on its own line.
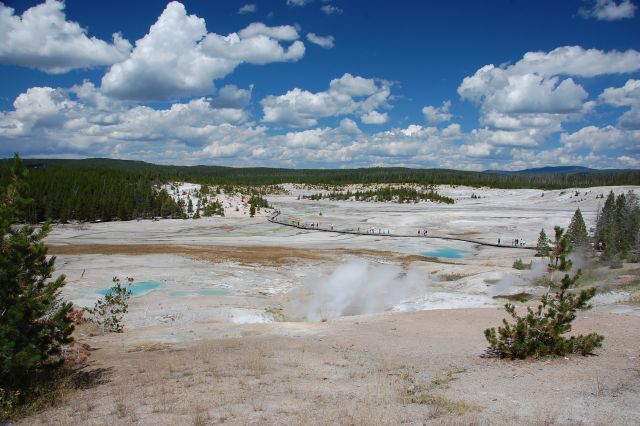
<point>354,288</point>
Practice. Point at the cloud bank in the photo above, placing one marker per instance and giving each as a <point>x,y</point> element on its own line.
<point>43,39</point>
<point>158,100</point>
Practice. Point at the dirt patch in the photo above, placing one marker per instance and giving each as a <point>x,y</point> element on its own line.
<point>416,368</point>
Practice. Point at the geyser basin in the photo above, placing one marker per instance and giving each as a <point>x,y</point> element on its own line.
<point>137,289</point>
<point>447,252</point>
<point>200,292</point>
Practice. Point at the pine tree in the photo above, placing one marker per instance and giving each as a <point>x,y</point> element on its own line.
<point>34,320</point>
<point>252,210</point>
<point>540,332</point>
<point>605,218</point>
<point>577,231</point>
<point>618,227</point>
<point>632,228</point>
<point>543,245</point>
<point>560,251</point>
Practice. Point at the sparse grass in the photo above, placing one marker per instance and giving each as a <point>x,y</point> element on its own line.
<point>457,407</point>
<point>520,265</point>
<point>57,390</point>
<point>631,285</point>
<point>121,408</point>
<point>614,263</point>
<point>605,279</point>
<point>201,418</point>
<point>413,392</point>
<point>311,378</point>
<point>148,347</point>
<point>277,313</point>
<point>544,281</point>
<point>447,378</point>
<point>518,297</point>
<point>589,276</point>
<point>452,277</point>
<point>254,363</point>
<point>51,395</point>
<point>87,329</point>
<point>634,299</point>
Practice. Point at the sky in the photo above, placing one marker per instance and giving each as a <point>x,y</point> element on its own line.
<point>497,84</point>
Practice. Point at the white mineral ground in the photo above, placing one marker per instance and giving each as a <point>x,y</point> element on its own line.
<point>274,284</point>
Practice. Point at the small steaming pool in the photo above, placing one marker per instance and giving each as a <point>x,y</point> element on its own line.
<point>137,289</point>
<point>447,253</point>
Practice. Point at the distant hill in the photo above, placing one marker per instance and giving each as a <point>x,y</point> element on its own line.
<point>541,178</point>
<point>546,170</point>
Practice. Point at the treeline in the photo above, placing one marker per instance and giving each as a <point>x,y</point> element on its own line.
<point>386,194</point>
<point>272,176</point>
<point>258,202</point>
<point>104,189</point>
<point>208,203</point>
<point>91,194</point>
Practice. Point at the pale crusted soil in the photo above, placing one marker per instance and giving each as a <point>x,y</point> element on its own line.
<point>412,368</point>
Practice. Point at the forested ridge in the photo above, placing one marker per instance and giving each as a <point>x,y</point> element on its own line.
<point>106,189</point>
<point>271,176</point>
<point>90,194</point>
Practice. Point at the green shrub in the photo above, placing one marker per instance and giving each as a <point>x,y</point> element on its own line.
<point>108,312</point>
<point>614,262</point>
<point>540,332</point>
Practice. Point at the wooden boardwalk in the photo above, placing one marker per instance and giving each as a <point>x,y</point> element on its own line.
<point>274,219</point>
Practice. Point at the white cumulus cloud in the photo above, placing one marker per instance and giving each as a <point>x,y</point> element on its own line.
<point>346,95</point>
<point>435,115</point>
<point>42,38</point>
<point>375,117</point>
<point>605,138</point>
<point>609,10</point>
<point>330,9</point>
<point>248,8</point>
<point>524,103</point>
<point>625,96</point>
<point>297,3</point>
<point>179,58</point>
<point>81,120</point>
<point>324,42</point>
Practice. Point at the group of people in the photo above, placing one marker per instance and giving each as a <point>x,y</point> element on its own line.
<point>378,231</point>
<point>517,242</point>
<point>422,232</point>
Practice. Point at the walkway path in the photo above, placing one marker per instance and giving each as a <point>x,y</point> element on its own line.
<point>274,219</point>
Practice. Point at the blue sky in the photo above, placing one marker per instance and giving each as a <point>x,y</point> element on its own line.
<point>456,84</point>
